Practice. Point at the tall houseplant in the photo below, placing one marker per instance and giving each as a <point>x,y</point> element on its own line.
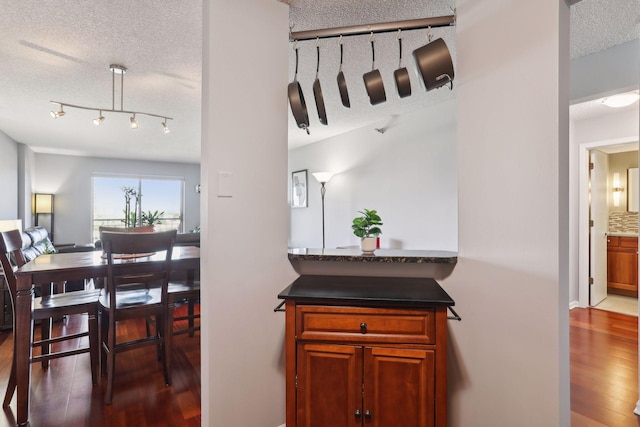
<point>367,227</point>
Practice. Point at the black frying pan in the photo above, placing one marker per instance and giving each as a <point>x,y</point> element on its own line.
<point>435,64</point>
<point>373,81</point>
<point>317,93</point>
<point>401,75</point>
<point>342,84</point>
<point>296,101</point>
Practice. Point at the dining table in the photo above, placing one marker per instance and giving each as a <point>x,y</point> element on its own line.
<point>58,267</point>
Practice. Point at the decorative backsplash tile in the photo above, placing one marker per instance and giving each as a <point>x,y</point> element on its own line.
<point>623,222</point>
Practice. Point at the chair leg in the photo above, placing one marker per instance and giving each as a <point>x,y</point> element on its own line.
<point>45,334</point>
<point>167,330</point>
<point>11,386</point>
<point>191,310</point>
<point>104,334</point>
<point>111,360</point>
<point>94,343</point>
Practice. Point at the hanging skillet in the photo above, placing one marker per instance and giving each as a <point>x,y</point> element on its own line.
<point>401,75</point>
<point>317,92</point>
<point>434,63</point>
<point>342,83</point>
<point>373,80</point>
<point>296,101</point>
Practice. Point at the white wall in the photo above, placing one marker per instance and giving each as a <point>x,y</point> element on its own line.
<point>606,71</point>
<point>8,177</point>
<point>509,359</point>
<point>26,160</point>
<point>244,246</point>
<point>69,179</point>
<point>408,174</point>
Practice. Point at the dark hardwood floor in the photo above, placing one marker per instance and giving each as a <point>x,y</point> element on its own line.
<point>604,380</point>
<point>63,395</point>
<point>604,368</point>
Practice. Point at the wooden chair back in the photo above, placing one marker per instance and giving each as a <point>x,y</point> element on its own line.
<point>11,246</point>
<point>123,245</point>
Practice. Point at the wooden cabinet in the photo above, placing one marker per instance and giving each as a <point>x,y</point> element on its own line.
<point>353,362</point>
<point>622,265</point>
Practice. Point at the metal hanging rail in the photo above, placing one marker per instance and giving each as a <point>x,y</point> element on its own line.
<point>385,27</point>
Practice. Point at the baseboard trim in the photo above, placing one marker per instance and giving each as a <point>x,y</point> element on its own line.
<point>574,304</point>
<point>637,410</point>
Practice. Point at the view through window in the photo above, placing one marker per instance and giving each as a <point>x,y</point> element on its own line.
<point>162,195</point>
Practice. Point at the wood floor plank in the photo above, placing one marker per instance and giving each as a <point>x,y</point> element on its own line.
<point>604,380</point>
<point>64,396</point>
<point>604,368</point>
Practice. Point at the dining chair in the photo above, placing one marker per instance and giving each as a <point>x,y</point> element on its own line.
<point>47,307</point>
<point>183,291</point>
<point>135,288</point>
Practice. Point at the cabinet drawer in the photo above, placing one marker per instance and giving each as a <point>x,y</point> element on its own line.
<point>365,325</point>
<point>623,242</point>
<point>629,242</point>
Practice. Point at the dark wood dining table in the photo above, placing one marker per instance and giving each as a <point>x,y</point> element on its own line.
<point>59,267</point>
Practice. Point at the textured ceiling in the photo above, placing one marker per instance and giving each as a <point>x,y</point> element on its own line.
<point>61,50</point>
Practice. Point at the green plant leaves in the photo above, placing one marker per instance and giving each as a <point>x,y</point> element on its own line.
<point>368,224</point>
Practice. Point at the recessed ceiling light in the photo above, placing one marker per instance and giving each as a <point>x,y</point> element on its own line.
<point>621,100</point>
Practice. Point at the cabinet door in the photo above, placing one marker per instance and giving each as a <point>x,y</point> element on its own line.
<point>329,385</point>
<point>622,267</point>
<point>399,387</point>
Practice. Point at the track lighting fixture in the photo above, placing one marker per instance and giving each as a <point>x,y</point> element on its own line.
<point>134,124</point>
<point>98,120</point>
<point>120,70</point>
<point>56,114</point>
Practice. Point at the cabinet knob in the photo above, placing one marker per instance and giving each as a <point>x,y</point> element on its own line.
<point>367,414</point>
<point>357,413</point>
<point>363,327</point>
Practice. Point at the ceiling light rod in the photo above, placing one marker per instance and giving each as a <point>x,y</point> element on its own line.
<point>115,69</point>
<point>107,110</point>
<point>385,27</point>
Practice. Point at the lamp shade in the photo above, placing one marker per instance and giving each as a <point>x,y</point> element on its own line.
<point>322,177</point>
<point>43,203</point>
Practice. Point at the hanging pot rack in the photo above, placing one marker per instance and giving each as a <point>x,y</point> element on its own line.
<point>384,27</point>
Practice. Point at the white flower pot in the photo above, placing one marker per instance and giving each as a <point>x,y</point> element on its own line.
<point>368,244</point>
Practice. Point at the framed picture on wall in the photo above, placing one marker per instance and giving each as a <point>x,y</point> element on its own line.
<point>299,190</point>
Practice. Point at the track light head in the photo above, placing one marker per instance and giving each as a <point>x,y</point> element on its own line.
<point>134,124</point>
<point>56,114</point>
<point>165,128</point>
<point>98,120</point>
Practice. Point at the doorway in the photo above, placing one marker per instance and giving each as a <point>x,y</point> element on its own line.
<point>612,226</point>
<point>608,229</point>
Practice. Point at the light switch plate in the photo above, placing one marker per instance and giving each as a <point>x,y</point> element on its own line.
<point>225,184</point>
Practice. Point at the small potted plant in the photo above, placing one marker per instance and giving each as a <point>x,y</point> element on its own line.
<point>152,218</point>
<point>367,227</point>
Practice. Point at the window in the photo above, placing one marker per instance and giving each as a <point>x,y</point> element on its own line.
<point>165,195</point>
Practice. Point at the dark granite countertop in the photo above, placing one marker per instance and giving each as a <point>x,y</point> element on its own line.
<point>380,256</point>
<point>358,289</point>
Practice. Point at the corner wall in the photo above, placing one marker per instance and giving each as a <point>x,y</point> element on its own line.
<point>508,358</point>
<point>8,177</point>
<point>244,236</point>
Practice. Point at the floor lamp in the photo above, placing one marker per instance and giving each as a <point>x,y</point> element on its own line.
<point>322,178</point>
